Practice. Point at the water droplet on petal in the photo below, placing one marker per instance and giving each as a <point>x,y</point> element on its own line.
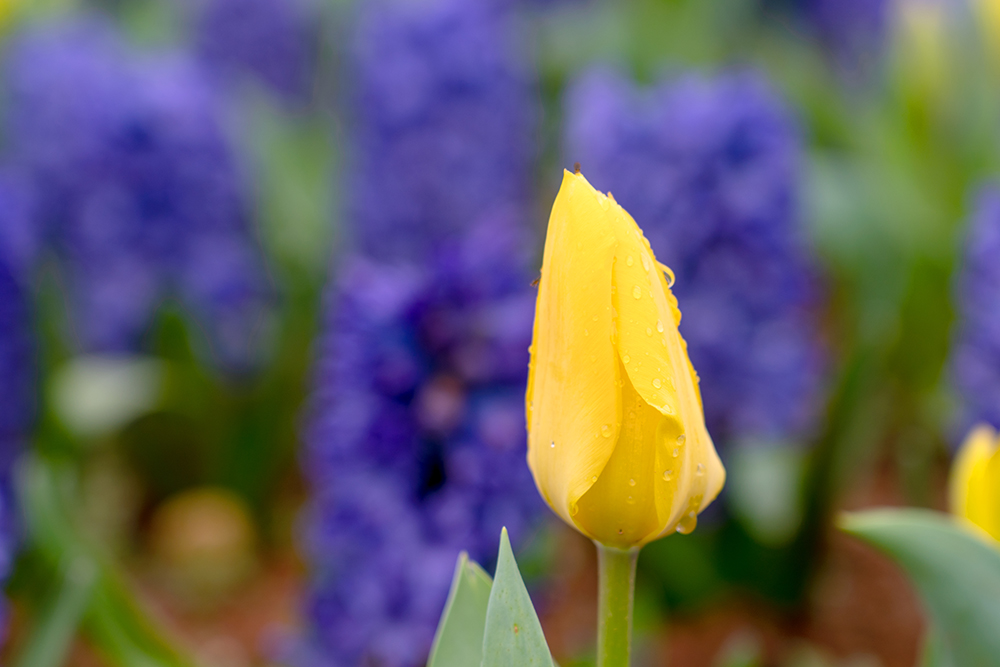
<point>649,331</point>
<point>595,318</point>
<point>586,332</point>
<point>681,439</point>
<point>629,260</point>
<point>631,482</point>
<point>626,359</point>
<point>676,452</point>
<point>659,326</point>
<point>668,475</point>
<point>645,262</point>
<point>606,430</point>
<point>687,524</point>
<point>594,478</point>
<point>657,383</point>
<point>700,470</point>
<point>630,500</point>
<point>552,444</point>
<point>637,292</point>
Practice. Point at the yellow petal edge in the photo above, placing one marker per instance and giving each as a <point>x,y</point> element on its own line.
<point>616,432</point>
<point>974,484</point>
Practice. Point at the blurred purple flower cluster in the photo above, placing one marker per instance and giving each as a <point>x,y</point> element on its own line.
<point>976,353</point>
<point>416,443</point>
<point>444,120</point>
<point>137,188</point>
<point>274,41</point>
<point>17,385</point>
<point>853,28</point>
<point>710,169</point>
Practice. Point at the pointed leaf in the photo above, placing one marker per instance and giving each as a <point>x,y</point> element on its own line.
<point>458,641</point>
<point>513,635</point>
<point>956,572</point>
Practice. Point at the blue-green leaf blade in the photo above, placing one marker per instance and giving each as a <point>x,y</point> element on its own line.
<point>513,636</point>
<point>458,641</point>
<point>956,573</point>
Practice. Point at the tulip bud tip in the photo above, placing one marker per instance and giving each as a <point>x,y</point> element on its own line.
<point>576,167</point>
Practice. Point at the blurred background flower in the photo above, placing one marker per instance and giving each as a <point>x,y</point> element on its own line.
<point>416,448</point>
<point>139,194</point>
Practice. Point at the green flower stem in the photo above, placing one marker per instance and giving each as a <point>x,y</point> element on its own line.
<point>615,595</point>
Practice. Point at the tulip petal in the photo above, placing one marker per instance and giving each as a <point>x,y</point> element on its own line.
<point>974,485</point>
<point>654,356</point>
<point>573,415</point>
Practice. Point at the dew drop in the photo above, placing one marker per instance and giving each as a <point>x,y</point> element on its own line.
<point>668,409</point>
<point>552,444</point>
<point>629,260</point>
<point>626,359</point>
<point>687,524</point>
<point>700,470</point>
<point>606,430</point>
<point>649,332</point>
<point>631,482</point>
<point>657,383</point>
<point>659,326</point>
<point>594,478</point>
<point>681,439</point>
<point>645,262</point>
<point>668,475</point>
<point>630,500</point>
<point>676,452</point>
<point>595,318</point>
<point>637,292</point>
<point>586,332</point>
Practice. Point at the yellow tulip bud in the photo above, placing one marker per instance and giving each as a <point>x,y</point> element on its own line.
<point>616,431</point>
<point>974,486</point>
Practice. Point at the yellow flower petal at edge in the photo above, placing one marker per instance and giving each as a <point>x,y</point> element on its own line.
<point>974,484</point>
<point>616,434</point>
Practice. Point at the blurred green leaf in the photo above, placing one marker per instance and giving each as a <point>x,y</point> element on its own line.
<point>115,622</point>
<point>60,618</point>
<point>956,573</point>
<point>513,636</point>
<point>459,638</point>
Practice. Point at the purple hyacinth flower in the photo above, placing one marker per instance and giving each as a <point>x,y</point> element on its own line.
<point>975,357</point>
<point>710,169</point>
<point>137,188</point>
<point>275,42</point>
<point>17,400</point>
<point>444,116</point>
<point>416,444</point>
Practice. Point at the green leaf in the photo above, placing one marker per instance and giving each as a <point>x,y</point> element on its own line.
<point>49,641</point>
<point>513,636</point>
<point>459,638</point>
<point>956,573</point>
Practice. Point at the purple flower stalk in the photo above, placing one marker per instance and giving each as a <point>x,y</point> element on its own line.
<point>444,121</point>
<point>975,359</point>
<point>416,442</point>
<point>275,42</point>
<point>17,405</point>
<point>710,169</point>
<point>139,195</point>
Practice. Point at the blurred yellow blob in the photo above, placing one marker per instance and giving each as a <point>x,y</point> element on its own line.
<point>7,9</point>
<point>204,544</point>
<point>922,49</point>
<point>616,433</point>
<point>988,15</point>
<point>974,486</point>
